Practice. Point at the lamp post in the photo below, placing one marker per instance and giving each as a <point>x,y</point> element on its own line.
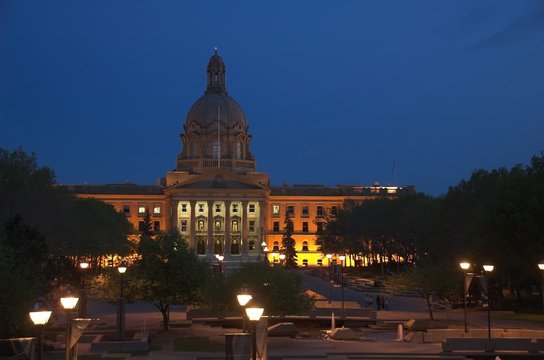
<point>83,304</point>
<point>488,268</point>
<point>254,313</point>
<point>243,298</point>
<point>69,302</point>
<point>220,258</point>
<point>40,315</point>
<point>342,258</point>
<point>121,306</point>
<point>465,266</point>
<point>329,257</point>
<point>541,267</point>
<point>266,250</point>
<point>282,259</point>
<point>273,254</point>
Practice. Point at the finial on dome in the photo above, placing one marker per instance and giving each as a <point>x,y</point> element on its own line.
<point>215,50</point>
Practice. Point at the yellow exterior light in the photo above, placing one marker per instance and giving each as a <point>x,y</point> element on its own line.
<point>464,265</point>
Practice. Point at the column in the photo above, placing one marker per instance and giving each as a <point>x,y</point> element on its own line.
<point>227,227</point>
<point>262,223</point>
<point>210,230</point>
<point>192,225</point>
<point>244,224</point>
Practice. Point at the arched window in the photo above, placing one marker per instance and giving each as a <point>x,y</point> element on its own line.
<point>200,247</point>
<point>251,244</point>
<point>235,247</point>
<point>304,246</point>
<point>276,246</point>
<point>239,150</point>
<point>217,247</point>
<point>216,149</point>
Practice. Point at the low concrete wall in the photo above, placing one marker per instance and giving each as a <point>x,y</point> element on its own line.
<point>120,345</point>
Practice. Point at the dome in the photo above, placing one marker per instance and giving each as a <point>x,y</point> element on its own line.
<point>203,115</point>
<point>215,129</point>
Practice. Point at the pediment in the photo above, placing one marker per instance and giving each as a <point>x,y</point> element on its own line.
<point>220,179</point>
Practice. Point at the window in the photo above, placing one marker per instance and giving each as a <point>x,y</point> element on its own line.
<point>238,150</point>
<point>291,210</point>
<point>142,210</point>
<point>235,225</point>
<point>305,211</point>
<point>305,226</point>
<point>305,262</point>
<point>141,225</point>
<point>217,208</point>
<point>275,210</point>
<point>156,209</point>
<point>216,149</point>
<point>235,247</point>
<point>234,208</point>
<point>184,208</point>
<point>251,225</point>
<point>156,225</point>
<point>126,210</point>
<point>200,208</point>
<point>334,210</point>
<point>251,244</point>
<point>304,246</point>
<point>320,262</point>
<point>183,225</point>
<point>320,211</point>
<point>251,208</point>
<point>276,246</point>
<point>276,226</point>
<point>200,225</point>
<point>217,225</point>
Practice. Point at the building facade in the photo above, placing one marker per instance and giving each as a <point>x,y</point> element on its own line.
<point>217,200</point>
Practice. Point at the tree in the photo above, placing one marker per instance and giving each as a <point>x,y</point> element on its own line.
<point>288,243</point>
<point>23,274</point>
<point>280,291</point>
<point>169,272</point>
<point>428,279</point>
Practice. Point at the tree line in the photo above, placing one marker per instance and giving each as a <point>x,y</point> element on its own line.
<point>493,216</point>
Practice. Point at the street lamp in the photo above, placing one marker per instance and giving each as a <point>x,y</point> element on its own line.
<point>282,259</point>
<point>342,258</point>
<point>465,266</point>
<point>40,315</point>
<point>488,268</point>
<point>69,302</point>
<point>83,304</point>
<point>541,267</point>
<point>254,313</point>
<point>220,258</point>
<point>329,256</point>
<point>273,254</point>
<point>243,298</point>
<point>121,306</point>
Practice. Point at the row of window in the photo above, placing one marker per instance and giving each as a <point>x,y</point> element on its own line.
<point>305,211</point>
<point>218,225</point>
<point>276,226</point>
<point>142,210</point>
<point>304,261</point>
<point>156,225</point>
<point>218,208</point>
<point>276,246</point>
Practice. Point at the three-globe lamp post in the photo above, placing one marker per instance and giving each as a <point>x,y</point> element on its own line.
<point>84,265</point>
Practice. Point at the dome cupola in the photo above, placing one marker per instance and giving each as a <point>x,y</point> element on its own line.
<point>215,130</point>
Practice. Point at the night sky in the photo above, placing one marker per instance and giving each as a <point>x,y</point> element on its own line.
<point>335,92</point>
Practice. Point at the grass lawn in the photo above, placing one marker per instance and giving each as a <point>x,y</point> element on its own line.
<point>538,318</point>
<point>196,344</point>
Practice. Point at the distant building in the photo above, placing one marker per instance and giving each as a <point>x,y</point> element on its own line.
<point>215,197</point>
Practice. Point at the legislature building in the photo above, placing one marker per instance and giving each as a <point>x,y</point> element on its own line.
<point>217,200</point>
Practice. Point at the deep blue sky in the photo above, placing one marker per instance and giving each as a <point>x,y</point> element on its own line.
<point>334,91</point>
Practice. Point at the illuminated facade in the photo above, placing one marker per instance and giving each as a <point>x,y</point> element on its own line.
<point>215,197</point>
